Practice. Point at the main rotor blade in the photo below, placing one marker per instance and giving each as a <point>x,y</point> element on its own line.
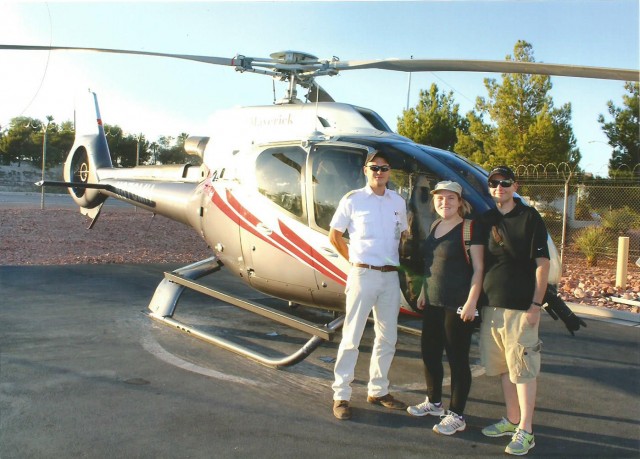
<point>446,65</point>
<point>206,59</point>
<point>317,94</point>
<point>401,65</point>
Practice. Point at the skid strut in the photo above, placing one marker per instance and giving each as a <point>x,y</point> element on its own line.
<point>168,292</point>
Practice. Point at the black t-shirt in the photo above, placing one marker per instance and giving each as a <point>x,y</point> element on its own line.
<point>509,267</point>
<point>448,275</point>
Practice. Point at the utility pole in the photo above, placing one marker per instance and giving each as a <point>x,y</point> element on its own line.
<point>138,139</point>
<point>44,157</point>
<point>409,88</point>
<point>44,128</point>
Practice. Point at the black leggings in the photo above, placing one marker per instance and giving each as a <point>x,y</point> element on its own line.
<point>443,329</point>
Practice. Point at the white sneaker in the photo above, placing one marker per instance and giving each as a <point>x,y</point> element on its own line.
<point>424,408</point>
<point>450,424</point>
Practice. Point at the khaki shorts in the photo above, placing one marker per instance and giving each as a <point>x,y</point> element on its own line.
<point>508,344</point>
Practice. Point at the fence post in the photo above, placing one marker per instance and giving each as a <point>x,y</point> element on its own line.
<point>623,259</point>
<point>564,219</point>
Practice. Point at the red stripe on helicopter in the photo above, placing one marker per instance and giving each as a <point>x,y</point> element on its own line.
<point>315,255</point>
<point>224,207</point>
<point>241,216</point>
<point>291,242</point>
<point>288,245</point>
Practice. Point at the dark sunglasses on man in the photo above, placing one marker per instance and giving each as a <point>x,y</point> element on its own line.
<point>379,168</point>
<point>502,183</point>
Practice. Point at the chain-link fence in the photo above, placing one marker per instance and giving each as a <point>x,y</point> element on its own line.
<point>586,216</point>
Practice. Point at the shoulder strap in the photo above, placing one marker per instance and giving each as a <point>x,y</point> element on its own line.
<point>467,231</point>
<point>349,193</point>
<point>435,223</point>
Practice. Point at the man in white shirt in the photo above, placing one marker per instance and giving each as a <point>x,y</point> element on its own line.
<point>376,218</point>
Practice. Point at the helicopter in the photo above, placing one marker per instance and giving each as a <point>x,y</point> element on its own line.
<point>270,180</point>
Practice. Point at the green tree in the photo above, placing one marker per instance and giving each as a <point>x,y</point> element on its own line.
<point>624,131</point>
<point>435,120</point>
<point>19,142</point>
<point>517,123</point>
<point>60,141</point>
<point>171,150</point>
<point>141,150</point>
<point>115,138</point>
<point>124,148</point>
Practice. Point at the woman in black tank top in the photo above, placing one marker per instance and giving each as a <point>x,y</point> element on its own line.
<point>449,299</point>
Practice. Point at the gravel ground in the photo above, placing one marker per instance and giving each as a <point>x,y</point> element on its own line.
<point>59,236</point>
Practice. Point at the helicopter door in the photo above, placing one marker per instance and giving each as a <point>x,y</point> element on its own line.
<point>278,258</point>
<point>337,169</point>
<point>334,170</point>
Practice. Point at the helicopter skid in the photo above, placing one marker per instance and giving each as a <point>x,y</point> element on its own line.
<point>170,289</point>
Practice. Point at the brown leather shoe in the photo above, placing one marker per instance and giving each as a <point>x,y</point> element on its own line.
<point>341,409</point>
<point>388,402</point>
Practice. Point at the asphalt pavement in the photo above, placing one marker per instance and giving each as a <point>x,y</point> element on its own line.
<point>84,372</point>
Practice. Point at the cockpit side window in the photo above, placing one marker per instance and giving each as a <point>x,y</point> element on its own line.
<point>279,177</point>
<point>335,170</point>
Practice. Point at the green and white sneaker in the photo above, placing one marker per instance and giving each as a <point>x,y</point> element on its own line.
<point>500,428</point>
<point>521,443</point>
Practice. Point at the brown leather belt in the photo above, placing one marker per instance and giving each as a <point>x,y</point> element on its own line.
<point>384,269</point>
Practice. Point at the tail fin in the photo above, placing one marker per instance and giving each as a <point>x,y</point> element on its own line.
<point>89,153</point>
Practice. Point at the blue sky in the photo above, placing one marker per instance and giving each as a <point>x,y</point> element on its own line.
<point>159,96</point>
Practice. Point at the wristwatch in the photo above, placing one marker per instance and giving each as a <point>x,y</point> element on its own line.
<point>537,304</point>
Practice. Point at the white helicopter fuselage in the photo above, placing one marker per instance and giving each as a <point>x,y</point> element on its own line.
<point>280,252</point>
<point>273,247</point>
<point>270,180</point>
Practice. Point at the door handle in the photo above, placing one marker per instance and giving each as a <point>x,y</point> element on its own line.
<point>329,252</point>
<point>264,229</point>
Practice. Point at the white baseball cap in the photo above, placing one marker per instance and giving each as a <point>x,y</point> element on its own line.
<point>448,185</point>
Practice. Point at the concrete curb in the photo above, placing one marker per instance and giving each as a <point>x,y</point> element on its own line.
<point>596,312</point>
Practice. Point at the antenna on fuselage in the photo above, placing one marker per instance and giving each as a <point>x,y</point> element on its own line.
<point>273,87</point>
<point>317,101</point>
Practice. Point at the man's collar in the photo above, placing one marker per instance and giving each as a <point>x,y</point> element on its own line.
<point>517,208</point>
<point>370,192</point>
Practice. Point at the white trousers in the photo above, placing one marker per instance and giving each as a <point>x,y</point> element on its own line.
<point>368,290</point>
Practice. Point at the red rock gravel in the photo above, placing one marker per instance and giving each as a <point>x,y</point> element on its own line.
<point>596,285</point>
<point>59,236</point>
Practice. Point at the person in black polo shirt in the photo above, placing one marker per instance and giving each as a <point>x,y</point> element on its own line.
<point>516,273</point>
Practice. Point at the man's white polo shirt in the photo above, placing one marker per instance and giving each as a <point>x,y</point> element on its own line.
<point>375,224</point>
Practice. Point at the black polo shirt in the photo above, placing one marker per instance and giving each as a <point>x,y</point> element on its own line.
<point>509,280</point>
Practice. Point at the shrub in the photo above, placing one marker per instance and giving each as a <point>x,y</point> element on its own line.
<point>583,211</point>
<point>621,220</point>
<point>592,242</point>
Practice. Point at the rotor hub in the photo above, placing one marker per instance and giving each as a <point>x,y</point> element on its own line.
<point>294,57</point>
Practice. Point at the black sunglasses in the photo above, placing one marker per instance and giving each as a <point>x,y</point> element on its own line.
<point>502,183</point>
<point>379,168</point>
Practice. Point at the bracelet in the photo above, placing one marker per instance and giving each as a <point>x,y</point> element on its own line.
<point>537,304</point>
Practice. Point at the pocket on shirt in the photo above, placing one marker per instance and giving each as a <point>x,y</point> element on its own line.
<point>365,223</point>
